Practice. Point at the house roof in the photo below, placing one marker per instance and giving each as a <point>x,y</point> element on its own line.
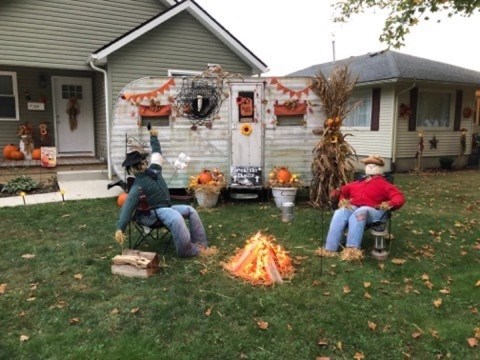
<point>388,65</point>
<point>198,13</point>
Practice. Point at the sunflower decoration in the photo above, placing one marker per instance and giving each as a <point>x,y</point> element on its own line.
<point>210,181</point>
<point>280,176</point>
<point>246,129</point>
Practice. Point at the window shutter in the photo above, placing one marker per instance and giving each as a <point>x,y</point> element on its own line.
<point>375,123</point>
<point>458,111</point>
<point>412,119</point>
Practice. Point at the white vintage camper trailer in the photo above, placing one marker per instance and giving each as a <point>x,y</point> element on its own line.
<point>242,126</point>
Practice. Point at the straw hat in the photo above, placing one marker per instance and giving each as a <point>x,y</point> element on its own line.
<point>373,159</point>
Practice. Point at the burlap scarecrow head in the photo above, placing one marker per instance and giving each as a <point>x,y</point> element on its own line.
<point>373,165</point>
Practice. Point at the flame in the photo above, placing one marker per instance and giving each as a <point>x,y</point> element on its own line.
<point>261,261</point>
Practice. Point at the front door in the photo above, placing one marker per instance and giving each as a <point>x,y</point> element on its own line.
<point>74,125</point>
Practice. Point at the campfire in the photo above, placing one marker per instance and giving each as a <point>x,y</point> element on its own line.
<point>261,261</point>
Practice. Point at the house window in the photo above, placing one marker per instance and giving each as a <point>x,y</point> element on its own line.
<point>290,120</point>
<point>435,108</point>
<point>361,115</point>
<point>72,91</point>
<point>8,96</point>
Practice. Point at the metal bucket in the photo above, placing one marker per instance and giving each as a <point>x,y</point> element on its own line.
<point>287,211</point>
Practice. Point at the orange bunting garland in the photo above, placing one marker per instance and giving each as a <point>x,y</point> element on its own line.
<point>135,98</point>
<point>285,89</point>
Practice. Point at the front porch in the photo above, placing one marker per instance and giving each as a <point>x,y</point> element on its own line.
<point>10,169</point>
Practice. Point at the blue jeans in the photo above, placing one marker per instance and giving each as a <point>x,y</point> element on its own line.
<point>185,238</point>
<point>355,219</point>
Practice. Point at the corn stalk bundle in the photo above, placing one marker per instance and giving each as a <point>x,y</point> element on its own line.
<point>332,156</point>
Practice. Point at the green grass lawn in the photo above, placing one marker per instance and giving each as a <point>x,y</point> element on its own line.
<point>69,305</point>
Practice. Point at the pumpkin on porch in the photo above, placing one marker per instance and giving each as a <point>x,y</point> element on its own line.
<point>36,153</point>
<point>16,155</point>
<point>284,175</point>
<point>7,150</point>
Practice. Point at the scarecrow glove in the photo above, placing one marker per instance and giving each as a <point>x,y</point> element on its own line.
<point>344,203</point>
<point>385,206</point>
<point>119,237</point>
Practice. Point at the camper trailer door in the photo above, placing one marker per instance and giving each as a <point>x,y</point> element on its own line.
<point>246,124</point>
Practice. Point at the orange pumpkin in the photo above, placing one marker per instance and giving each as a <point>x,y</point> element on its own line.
<point>16,155</point>
<point>284,175</point>
<point>7,150</point>
<point>121,199</point>
<point>205,177</point>
<point>36,153</point>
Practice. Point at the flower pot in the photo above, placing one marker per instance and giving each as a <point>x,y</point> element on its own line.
<point>282,194</point>
<point>206,199</point>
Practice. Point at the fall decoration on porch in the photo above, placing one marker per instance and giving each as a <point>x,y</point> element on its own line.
<point>261,262</point>
<point>433,142</point>
<point>280,176</point>
<point>246,129</point>
<point>246,106</point>
<point>208,181</point>
<point>467,112</point>
<point>420,148</point>
<point>332,157</point>
<point>73,109</point>
<point>36,154</point>
<point>24,129</point>
<point>8,149</point>
<point>43,127</point>
<point>16,155</point>
<point>404,111</point>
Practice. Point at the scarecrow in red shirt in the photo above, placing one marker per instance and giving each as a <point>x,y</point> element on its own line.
<point>361,202</point>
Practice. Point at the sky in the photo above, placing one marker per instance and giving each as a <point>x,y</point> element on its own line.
<point>292,35</point>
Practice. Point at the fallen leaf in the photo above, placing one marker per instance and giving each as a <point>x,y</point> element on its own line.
<point>340,345</point>
<point>78,276</point>
<point>366,284</point>
<point>322,342</point>
<point>472,342</point>
<point>398,261</point>
<point>437,303</point>
<point>425,277</point>
<point>416,334</point>
<point>289,327</point>
<point>28,256</point>
<point>477,283</point>
<point>74,321</point>
<point>262,325</point>
<point>381,265</point>
<point>346,289</point>
<point>33,286</point>
<point>114,311</point>
<point>208,312</point>
<point>65,215</point>
<point>473,310</point>
<point>24,338</point>
<point>134,310</point>
<point>367,296</point>
<point>358,356</point>
<point>2,288</point>
<point>434,334</point>
<point>322,358</point>
<point>429,285</point>
<point>203,271</point>
<point>477,332</point>
<point>326,293</point>
<point>372,326</point>
<point>33,298</point>
<point>444,291</point>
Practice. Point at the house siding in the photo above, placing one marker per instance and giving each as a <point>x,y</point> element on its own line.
<point>179,43</point>
<point>62,33</point>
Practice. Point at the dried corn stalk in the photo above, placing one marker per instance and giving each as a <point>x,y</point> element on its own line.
<point>332,157</point>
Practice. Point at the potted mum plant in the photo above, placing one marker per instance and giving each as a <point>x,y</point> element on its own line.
<point>206,187</point>
<point>284,185</point>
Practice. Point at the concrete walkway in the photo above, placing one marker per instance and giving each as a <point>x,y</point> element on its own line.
<point>74,185</point>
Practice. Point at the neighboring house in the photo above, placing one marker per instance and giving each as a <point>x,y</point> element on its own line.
<point>403,96</point>
<point>63,63</point>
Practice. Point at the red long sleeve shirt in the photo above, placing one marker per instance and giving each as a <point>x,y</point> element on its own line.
<point>372,192</point>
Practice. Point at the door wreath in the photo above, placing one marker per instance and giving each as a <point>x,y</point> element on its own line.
<point>73,109</point>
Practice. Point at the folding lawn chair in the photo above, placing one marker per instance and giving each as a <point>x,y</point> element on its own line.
<point>139,232</point>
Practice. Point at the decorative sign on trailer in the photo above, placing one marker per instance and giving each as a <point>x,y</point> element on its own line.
<point>250,176</point>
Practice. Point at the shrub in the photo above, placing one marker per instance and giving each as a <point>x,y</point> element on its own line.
<point>446,162</point>
<point>21,183</point>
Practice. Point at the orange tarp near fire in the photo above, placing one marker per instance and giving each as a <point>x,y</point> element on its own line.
<point>261,261</point>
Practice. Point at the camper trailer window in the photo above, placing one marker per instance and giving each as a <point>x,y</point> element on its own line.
<point>435,108</point>
<point>156,121</point>
<point>290,120</point>
<point>8,96</point>
<point>361,103</point>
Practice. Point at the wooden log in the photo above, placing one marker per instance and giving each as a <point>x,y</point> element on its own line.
<point>134,260</point>
<point>135,263</point>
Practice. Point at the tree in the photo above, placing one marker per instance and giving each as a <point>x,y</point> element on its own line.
<point>403,14</point>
